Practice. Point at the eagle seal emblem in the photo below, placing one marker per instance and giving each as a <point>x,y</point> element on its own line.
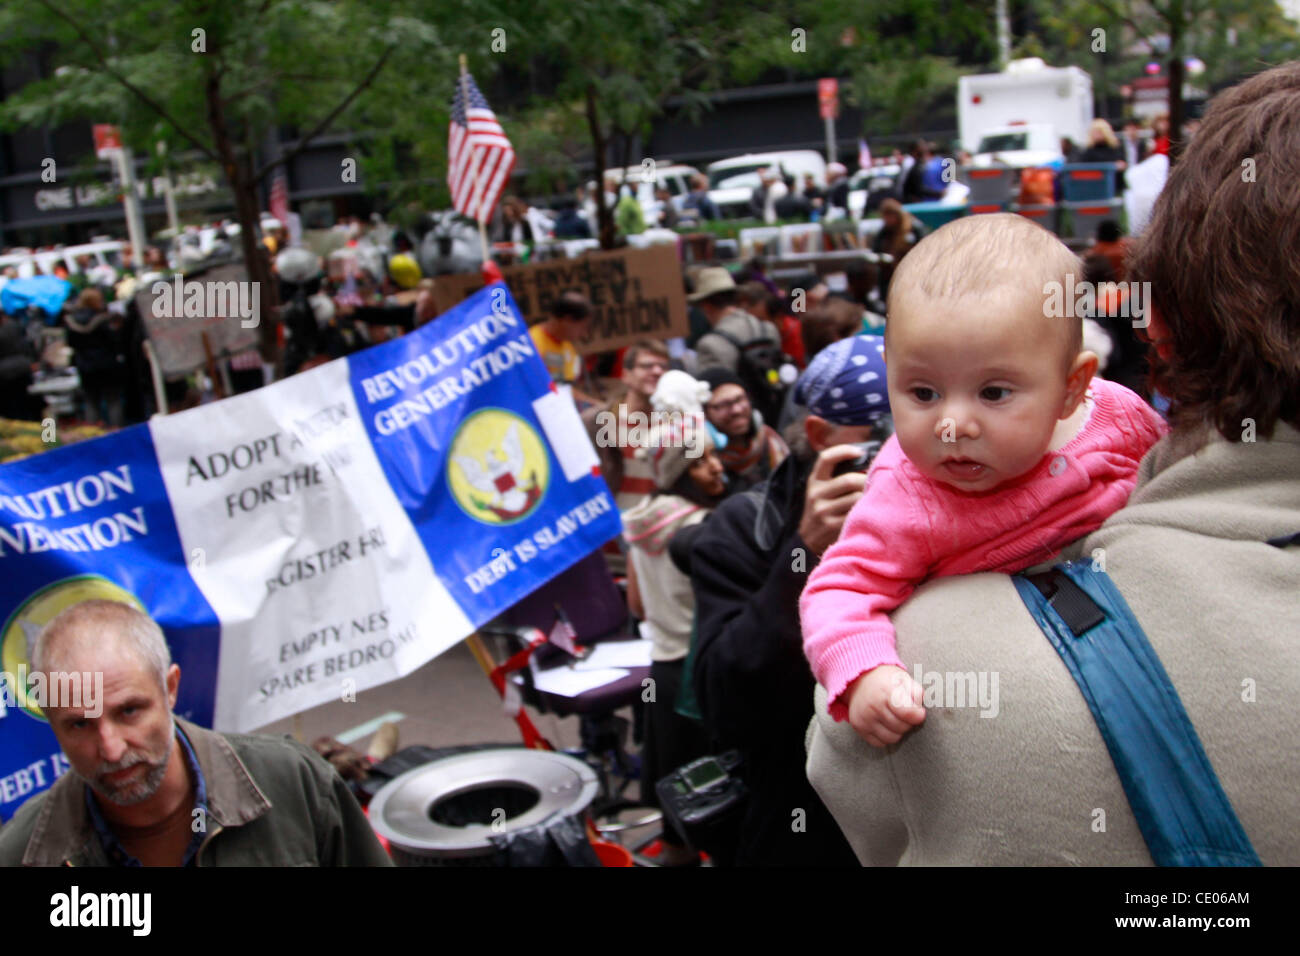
<point>497,467</point>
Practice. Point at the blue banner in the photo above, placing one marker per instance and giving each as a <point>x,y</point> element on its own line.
<point>322,535</point>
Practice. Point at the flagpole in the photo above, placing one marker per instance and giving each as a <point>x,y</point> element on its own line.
<point>464,98</point>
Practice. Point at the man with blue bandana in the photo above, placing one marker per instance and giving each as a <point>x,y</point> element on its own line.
<point>749,562</point>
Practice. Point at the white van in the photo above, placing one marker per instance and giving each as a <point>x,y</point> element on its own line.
<point>1024,144</point>
<point>732,181</point>
<point>1018,117</point>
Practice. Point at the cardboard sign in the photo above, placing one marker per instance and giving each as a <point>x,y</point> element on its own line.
<point>177,310</point>
<point>634,293</point>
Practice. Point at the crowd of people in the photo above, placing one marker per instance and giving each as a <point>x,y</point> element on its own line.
<point>811,514</point>
<point>374,288</point>
<point>994,442</point>
<point>921,173</point>
<point>367,290</point>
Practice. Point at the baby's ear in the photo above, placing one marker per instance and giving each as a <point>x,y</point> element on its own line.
<point>1081,373</point>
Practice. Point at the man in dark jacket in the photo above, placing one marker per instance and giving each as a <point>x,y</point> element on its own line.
<point>16,362</point>
<point>570,224</point>
<point>837,188</point>
<point>749,563</point>
<point>98,342</point>
<point>147,789</point>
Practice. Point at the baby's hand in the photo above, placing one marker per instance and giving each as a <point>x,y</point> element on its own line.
<point>884,703</point>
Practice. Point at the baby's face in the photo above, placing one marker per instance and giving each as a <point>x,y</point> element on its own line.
<point>975,388</point>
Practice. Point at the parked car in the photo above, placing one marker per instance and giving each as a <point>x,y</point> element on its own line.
<point>26,261</point>
<point>1024,145</point>
<point>732,181</point>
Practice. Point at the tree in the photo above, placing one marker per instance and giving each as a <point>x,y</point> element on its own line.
<point>1231,37</point>
<point>619,61</point>
<point>901,55</point>
<point>214,79</point>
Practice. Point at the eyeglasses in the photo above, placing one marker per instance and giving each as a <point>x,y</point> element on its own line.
<point>728,405</point>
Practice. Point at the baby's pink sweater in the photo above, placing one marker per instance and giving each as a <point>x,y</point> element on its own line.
<point>906,528</point>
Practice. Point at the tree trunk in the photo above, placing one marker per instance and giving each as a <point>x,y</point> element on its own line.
<point>239,175</point>
<point>1176,73</point>
<point>604,215</point>
<point>627,155</point>
<point>257,262</point>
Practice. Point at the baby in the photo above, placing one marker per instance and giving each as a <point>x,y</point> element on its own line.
<point>1005,449</point>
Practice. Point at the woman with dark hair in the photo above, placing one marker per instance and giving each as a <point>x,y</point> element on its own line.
<point>689,482</point>
<point>1206,554</point>
<point>896,237</point>
<point>1160,142</point>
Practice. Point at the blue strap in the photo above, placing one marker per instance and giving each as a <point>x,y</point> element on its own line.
<point>1185,817</point>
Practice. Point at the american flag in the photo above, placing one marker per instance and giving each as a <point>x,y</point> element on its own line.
<point>479,156</point>
<point>279,202</point>
<point>864,154</point>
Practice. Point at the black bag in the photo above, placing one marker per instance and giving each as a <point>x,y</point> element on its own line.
<point>759,369</point>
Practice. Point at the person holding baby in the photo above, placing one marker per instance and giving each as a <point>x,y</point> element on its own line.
<point>1008,451</point>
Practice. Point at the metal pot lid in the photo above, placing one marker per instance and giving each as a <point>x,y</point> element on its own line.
<point>402,811</point>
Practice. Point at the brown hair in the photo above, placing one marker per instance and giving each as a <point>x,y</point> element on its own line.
<point>825,325</point>
<point>755,293</point>
<point>91,299</point>
<point>897,242</point>
<point>653,346</point>
<point>572,305</point>
<point>1219,253</point>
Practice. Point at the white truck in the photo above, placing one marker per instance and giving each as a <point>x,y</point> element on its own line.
<point>732,181</point>
<point>1019,116</point>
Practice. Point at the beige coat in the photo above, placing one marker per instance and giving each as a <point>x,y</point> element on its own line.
<point>665,592</point>
<point>1031,784</point>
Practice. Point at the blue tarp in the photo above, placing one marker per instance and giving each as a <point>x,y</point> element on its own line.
<point>48,293</point>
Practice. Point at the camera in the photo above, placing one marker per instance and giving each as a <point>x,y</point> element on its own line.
<point>867,451</point>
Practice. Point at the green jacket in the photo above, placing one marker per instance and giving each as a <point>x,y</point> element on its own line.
<point>628,216</point>
<point>271,802</point>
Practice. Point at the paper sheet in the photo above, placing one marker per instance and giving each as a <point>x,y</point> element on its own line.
<point>617,654</point>
<point>566,434</point>
<point>570,683</point>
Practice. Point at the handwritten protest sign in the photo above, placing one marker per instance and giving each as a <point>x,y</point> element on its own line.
<point>178,310</point>
<point>634,293</point>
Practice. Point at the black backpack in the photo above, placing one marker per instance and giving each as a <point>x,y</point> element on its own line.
<point>759,369</point>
